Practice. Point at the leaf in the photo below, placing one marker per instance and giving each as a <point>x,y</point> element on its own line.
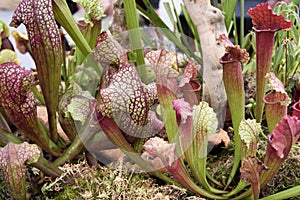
<point>79,106</point>
<point>296,109</point>
<point>162,61</point>
<point>65,117</point>
<point>183,110</point>
<point>222,136</point>
<point>64,16</point>
<point>157,147</point>
<point>229,9</point>
<point>278,87</point>
<point>12,160</point>
<point>278,55</point>
<point>189,74</point>
<point>15,95</point>
<point>233,52</point>
<point>19,103</point>
<point>204,119</point>
<point>111,55</point>
<point>108,52</point>
<point>249,131</point>
<point>46,46</point>
<point>284,135</point>
<point>129,109</point>
<point>94,9</point>
<point>264,18</point>
<point>250,172</point>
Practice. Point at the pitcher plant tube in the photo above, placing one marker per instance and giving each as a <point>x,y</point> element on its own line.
<point>12,164</point>
<point>266,23</point>
<point>280,142</point>
<point>18,102</point>
<point>46,47</point>
<point>277,101</point>
<point>234,86</point>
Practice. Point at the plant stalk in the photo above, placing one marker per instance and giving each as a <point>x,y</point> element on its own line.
<point>264,47</point>
<point>73,150</point>
<point>135,36</point>
<point>47,167</point>
<point>234,86</point>
<point>64,17</point>
<point>242,21</point>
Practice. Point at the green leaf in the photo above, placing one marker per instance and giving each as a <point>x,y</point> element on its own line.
<point>64,17</point>
<point>248,131</point>
<point>170,14</point>
<point>278,55</point>
<point>163,28</point>
<point>135,36</point>
<point>295,34</point>
<point>79,107</point>
<point>205,121</point>
<point>290,57</point>
<point>229,9</point>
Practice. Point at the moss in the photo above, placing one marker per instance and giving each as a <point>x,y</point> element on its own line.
<point>4,193</point>
<point>80,181</point>
<point>287,177</point>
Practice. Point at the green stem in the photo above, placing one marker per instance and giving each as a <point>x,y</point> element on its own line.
<point>163,28</point>
<point>242,20</point>
<point>37,94</point>
<point>42,129</point>
<point>213,180</point>
<point>135,36</point>
<point>235,34</point>
<point>244,195</point>
<point>90,32</point>
<point>201,169</point>
<point>234,86</point>
<point>197,162</point>
<point>73,150</point>
<point>64,64</point>
<point>71,66</point>
<point>291,192</point>
<point>6,137</point>
<point>47,167</point>
<point>64,17</point>
<point>42,164</point>
<point>120,141</point>
<point>241,185</point>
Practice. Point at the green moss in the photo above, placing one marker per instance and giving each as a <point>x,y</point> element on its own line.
<point>287,177</point>
<point>4,193</point>
<point>79,181</point>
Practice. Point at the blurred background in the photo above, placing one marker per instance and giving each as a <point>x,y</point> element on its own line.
<point>7,8</point>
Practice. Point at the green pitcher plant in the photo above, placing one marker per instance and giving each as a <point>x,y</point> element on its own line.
<point>143,98</point>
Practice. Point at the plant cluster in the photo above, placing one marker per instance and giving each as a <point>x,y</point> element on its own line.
<point>144,101</point>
